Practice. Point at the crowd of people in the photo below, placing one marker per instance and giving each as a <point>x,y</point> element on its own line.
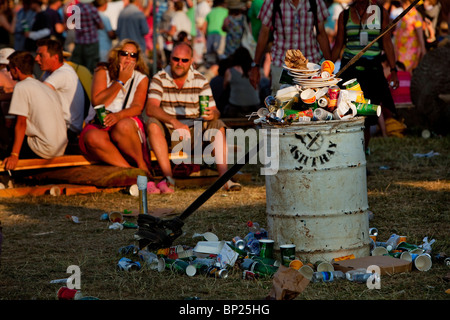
<point>60,59</point>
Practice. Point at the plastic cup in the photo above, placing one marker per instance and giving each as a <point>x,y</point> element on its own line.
<point>204,103</point>
<point>101,113</point>
<point>287,252</point>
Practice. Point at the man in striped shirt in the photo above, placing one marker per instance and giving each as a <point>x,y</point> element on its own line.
<point>296,25</point>
<point>173,105</point>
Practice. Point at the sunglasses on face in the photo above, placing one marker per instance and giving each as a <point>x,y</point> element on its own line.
<point>126,54</point>
<point>176,59</point>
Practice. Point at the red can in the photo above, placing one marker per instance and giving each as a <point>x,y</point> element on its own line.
<point>333,94</point>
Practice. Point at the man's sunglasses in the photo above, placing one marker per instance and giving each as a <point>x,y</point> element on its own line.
<point>126,54</point>
<point>176,59</point>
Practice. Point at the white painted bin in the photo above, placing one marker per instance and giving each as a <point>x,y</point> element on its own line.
<point>318,198</point>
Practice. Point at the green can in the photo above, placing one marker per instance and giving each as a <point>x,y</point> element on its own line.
<point>101,113</point>
<point>367,109</point>
<point>204,103</point>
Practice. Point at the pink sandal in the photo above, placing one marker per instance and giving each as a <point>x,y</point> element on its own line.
<point>152,188</point>
<point>164,187</point>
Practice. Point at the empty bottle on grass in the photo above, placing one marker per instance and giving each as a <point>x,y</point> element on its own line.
<point>252,243</point>
<point>392,242</point>
<point>327,276</point>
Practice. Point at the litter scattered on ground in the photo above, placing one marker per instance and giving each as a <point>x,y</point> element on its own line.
<point>426,155</point>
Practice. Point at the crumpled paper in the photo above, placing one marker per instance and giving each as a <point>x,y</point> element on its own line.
<point>288,283</point>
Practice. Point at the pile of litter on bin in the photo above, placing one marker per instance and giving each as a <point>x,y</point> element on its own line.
<point>313,95</point>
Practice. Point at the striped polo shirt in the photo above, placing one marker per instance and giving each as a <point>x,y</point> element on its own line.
<point>353,30</point>
<point>182,103</point>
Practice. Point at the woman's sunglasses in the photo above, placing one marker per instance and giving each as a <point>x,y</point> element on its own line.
<point>176,59</point>
<point>126,54</point>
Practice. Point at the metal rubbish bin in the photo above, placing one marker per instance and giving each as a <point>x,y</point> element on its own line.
<point>318,198</point>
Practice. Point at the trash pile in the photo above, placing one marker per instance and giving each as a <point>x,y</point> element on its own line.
<point>397,247</point>
<point>254,256</point>
<point>314,95</point>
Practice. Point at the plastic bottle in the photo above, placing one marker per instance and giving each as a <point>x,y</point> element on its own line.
<point>252,243</point>
<point>254,228</point>
<point>353,275</point>
<point>147,256</point>
<point>142,187</point>
<point>327,276</point>
<point>392,242</point>
<point>130,249</point>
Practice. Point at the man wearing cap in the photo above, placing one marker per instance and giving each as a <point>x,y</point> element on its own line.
<point>40,129</point>
<point>62,78</point>
<point>86,51</point>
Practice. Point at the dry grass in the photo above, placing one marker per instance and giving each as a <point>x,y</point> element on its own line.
<point>410,198</point>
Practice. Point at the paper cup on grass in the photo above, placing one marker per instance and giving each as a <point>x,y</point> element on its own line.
<point>296,264</point>
<point>306,271</point>
<point>287,252</point>
<point>266,248</point>
<point>423,262</point>
<point>379,251</point>
<point>323,266</point>
<point>116,216</point>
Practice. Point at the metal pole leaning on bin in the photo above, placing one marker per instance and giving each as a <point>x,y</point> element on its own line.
<point>155,233</point>
<point>388,28</point>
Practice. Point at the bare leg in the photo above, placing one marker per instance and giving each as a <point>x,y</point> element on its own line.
<point>220,147</point>
<point>125,136</point>
<point>159,146</point>
<point>100,147</point>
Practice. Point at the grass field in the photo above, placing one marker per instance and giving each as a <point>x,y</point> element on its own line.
<point>408,195</point>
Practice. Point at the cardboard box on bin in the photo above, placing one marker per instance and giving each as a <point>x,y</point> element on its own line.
<point>388,265</point>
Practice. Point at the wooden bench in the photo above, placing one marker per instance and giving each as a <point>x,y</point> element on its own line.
<point>69,161</point>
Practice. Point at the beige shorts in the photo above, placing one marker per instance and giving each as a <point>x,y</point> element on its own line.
<point>196,134</point>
